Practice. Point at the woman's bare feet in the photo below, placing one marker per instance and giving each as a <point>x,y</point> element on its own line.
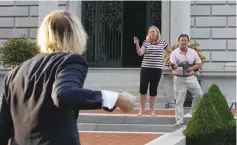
<point>140,113</point>
<point>153,113</point>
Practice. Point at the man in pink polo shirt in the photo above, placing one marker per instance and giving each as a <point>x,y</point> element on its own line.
<point>185,79</point>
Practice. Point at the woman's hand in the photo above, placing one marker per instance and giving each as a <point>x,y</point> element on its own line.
<point>126,102</point>
<point>136,41</point>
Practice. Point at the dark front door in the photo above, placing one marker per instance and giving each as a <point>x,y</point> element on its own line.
<point>134,24</point>
<point>103,22</point>
<point>111,26</point>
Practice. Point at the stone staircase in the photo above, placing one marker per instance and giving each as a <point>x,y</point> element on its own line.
<point>126,123</point>
<point>122,79</point>
<point>125,80</point>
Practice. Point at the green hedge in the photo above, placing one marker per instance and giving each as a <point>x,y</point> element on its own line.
<point>213,122</point>
<point>230,133</point>
<point>220,103</point>
<point>204,128</point>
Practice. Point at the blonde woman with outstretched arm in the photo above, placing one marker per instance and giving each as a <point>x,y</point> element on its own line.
<point>42,97</point>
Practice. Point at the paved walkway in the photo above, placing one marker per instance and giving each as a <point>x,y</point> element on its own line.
<point>116,138</point>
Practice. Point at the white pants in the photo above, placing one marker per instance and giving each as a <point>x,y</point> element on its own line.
<point>181,85</point>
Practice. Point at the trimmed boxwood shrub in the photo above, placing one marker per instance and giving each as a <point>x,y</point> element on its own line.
<point>230,133</point>
<point>213,122</point>
<point>220,103</point>
<point>206,126</point>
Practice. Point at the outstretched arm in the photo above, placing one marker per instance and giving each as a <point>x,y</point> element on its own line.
<point>68,92</point>
<point>140,50</point>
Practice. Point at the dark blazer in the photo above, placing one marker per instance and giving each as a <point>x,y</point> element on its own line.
<point>41,100</point>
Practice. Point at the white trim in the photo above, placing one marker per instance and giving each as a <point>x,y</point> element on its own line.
<point>174,138</point>
<point>104,114</point>
<point>123,132</point>
<point>179,19</point>
<point>165,21</point>
<point>75,7</point>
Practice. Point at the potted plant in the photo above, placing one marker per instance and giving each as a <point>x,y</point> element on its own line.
<point>17,50</point>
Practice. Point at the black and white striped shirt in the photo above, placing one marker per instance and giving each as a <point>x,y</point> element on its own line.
<point>153,56</point>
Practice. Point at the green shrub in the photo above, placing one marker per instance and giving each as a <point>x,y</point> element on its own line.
<point>230,133</point>
<point>205,126</point>
<point>17,50</point>
<point>220,103</point>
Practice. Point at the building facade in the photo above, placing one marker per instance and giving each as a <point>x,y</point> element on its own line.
<point>111,26</point>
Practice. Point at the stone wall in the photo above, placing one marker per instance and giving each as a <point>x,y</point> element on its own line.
<point>213,26</point>
<point>19,18</point>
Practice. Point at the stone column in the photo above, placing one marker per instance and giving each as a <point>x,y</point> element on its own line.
<point>46,7</point>
<point>165,22</point>
<point>179,22</point>
<point>179,19</point>
<point>75,7</point>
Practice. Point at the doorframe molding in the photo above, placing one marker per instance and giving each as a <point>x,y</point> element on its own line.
<point>75,7</point>
<point>165,21</point>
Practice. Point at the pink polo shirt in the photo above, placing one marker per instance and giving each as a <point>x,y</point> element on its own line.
<point>177,57</point>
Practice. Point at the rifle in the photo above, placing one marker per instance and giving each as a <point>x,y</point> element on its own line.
<point>185,65</point>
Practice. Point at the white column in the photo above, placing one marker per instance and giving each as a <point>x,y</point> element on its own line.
<point>46,7</point>
<point>179,19</point>
<point>165,22</point>
<point>75,7</point>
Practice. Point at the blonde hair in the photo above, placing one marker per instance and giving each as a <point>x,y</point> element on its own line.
<point>148,38</point>
<point>61,31</point>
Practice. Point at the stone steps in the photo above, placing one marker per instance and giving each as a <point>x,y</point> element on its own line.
<point>127,119</point>
<point>125,86</point>
<point>126,123</point>
<point>157,106</point>
<point>159,99</point>
<point>160,93</point>
<point>126,127</point>
<point>120,80</point>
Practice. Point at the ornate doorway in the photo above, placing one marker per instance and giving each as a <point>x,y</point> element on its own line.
<point>104,24</point>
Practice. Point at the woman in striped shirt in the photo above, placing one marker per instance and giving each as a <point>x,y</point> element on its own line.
<point>151,68</point>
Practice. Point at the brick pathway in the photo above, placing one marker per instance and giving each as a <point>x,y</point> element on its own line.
<point>118,111</point>
<point>116,138</point>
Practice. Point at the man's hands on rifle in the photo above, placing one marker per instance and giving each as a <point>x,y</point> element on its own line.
<point>175,66</point>
<point>189,70</point>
